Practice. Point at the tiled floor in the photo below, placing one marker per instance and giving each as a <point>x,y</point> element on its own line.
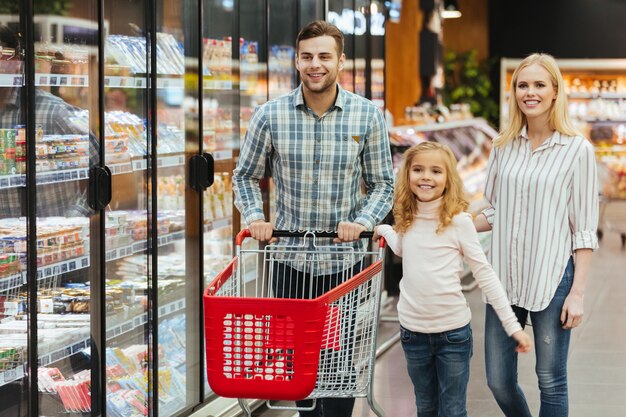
<point>597,365</point>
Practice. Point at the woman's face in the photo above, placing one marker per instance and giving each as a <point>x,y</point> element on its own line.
<point>534,92</point>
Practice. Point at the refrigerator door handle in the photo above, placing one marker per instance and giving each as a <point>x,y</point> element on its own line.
<point>201,171</point>
<point>99,187</point>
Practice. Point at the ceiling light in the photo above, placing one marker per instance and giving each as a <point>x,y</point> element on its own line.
<point>450,10</point>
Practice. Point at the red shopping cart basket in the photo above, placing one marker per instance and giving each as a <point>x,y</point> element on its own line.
<point>265,347</point>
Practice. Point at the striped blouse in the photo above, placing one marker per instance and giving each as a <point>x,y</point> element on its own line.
<point>543,207</point>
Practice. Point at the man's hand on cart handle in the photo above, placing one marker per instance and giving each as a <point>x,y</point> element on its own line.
<point>262,230</point>
<point>349,232</point>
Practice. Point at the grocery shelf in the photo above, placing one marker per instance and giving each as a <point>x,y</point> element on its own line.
<point>65,80</point>
<point>217,224</point>
<point>163,240</point>
<point>119,253</point>
<point>127,82</point>
<point>112,332</point>
<point>137,247</point>
<point>49,271</point>
<point>10,282</point>
<point>11,80</point>
<point>222,155</point>
<point>217,84</point>
<point>13,181</point>
<point>11,375</point>
<point>77,80</point>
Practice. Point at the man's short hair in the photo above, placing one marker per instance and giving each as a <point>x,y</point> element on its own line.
<point>320,28</point>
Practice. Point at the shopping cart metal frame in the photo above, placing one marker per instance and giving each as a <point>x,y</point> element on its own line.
<point>307,347</point>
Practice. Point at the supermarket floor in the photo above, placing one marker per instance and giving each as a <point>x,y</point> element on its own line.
<point>597,366</point>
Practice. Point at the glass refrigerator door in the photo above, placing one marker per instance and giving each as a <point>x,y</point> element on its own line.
<point>127,218</point>
<point>67,117</point>
<point>253,81</point>
<point>282,34</point>
<point>377,37</point>
<point>220,134</point>
<point>14,348</point>
<point>177,282</point>
<point>253,73</point>
<point>360,36</point>
<point>341,14</point>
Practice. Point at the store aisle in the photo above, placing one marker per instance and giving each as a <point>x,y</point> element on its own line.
<point>597,367</point>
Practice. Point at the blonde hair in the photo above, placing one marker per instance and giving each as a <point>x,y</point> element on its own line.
<point>405,202</point>
<point>558,118</point>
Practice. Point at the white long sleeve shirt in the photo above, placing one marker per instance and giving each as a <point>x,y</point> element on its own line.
<point>544,206</point>
<point>431,298</point>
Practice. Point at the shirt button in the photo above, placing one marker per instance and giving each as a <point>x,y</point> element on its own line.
<point>317,162</point>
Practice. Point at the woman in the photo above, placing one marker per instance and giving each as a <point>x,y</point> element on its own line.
<point>543,195</point>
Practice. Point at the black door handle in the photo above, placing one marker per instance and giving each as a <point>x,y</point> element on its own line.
<point>201,171</point>
<point>99,187</point>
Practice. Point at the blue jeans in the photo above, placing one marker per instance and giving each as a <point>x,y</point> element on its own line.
<point>439,366</point>
<point>291,283</point>
<point>551,348</point>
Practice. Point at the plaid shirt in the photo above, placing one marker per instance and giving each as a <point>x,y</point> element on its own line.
<point>317,164</point>
<point>57,199</point>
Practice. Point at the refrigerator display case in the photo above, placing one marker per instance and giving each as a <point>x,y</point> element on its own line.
<point>363,25</point>
<point>120,125</point>
<point>596,92</point>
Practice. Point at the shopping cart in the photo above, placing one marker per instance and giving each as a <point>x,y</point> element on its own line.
<point>612,217</point>
<point>612,202</point>
<point>276,330</point>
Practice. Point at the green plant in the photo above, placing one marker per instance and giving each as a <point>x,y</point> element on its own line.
<point>467,81</point>
<point>55,7</point>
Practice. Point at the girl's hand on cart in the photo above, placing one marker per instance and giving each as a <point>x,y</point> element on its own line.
<point>376,235</point>
<point>262,230</point>
<point>349,232</point>
<point>524,342</point>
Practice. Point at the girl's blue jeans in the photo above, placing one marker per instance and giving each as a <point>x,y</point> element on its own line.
<point>439,366</point>
<point>551,349</point>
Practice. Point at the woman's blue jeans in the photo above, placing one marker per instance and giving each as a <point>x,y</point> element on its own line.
<point>439,366</point>
<point>551,349</point>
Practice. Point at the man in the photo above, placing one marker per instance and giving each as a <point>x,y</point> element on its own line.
<point>321,142</point>
<point>55,117</point>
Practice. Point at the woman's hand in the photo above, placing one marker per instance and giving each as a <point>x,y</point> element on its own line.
<point>572,312</point>
<point>524,342</point>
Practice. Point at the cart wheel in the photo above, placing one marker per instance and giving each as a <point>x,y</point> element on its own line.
<point>623,235</point>
<point>600,233</point>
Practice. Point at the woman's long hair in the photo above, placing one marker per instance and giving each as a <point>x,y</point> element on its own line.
<point>405,202</point>
<point>558,118</point>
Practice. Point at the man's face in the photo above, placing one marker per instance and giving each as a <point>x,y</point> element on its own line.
<point>319,63</point>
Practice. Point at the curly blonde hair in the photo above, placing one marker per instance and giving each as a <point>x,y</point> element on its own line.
<point>405,202</point>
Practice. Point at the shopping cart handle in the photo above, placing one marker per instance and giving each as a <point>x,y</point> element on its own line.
<point>316,234</point>
<point>304,233</point>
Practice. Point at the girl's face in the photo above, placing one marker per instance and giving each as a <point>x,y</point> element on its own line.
<point>534,91</point>
<point>428,176</point>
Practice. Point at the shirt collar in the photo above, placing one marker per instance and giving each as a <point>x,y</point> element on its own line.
<point>556,138</point>
<point>340,100</point>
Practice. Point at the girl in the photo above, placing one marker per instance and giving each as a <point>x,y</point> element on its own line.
<point>433,234</point>
<point>543,194</point>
